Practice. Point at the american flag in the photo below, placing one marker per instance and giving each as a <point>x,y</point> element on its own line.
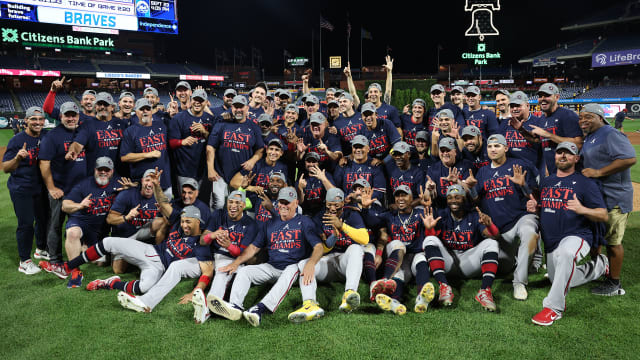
<point>324,24</point>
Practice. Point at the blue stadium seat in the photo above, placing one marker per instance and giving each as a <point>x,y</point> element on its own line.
<point>6,104</point>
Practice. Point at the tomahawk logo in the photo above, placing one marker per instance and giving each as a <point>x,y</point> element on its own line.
<point>9,35</point>
<point>482,17</point>
<point>601,59</point>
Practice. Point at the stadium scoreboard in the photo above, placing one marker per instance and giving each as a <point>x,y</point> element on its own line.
<point>158,16</point>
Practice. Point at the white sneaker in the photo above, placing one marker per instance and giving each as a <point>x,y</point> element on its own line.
<point>41,254</point>
<point>520,292</point>
<point>200,309</point>
<point>131,302</point>
<point>28,267</point>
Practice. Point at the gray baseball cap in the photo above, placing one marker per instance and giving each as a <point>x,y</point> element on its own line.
<point>594,109</point>
<point>69,106</point>
<point>189,182</point>
<point>347,96</point>
<point>152,90</point>
<point>238,195</point>
<point>317,118</point>
<point>456,189</point>
<point>125,94</point>
<point>334,195</point>
<point>445,113</point>
<point>457,88</point>
<point>548,89</point>
<point>104,97</point>
<point>568,145</point>
<point>402,188</point>
<point>518,98</point>
<point>230,92</point>
<point>239,99</point>
<point>419,102</point>
<point>333,102</point>
<point>200,93</point>
<point>497,139</point>
<point>368,107</point>
<point>360,140</point>
<point>292,107</point>
<point>191,212</point>
<point>361,182</point>
<point>501,91</point>
<point>142,102</point>
<point>401,147</point>
<point>183,84</point>
<point>422,135</point>
<point>287,194</point>
<point>333,90</point>
<point>447,143</point>
<point>278,174</point>
<point>312,154</point>
<point>312,99</point>
<point>148,172</point>
<point>470,131</point>
<point>284,93</point>
<point>473,90</point>
<point>275,141</point>
<point>339,92</point>
<point>265,118</point>
<point>436,87</point>
<point>375,85</point>
<point>269,95</point>
<point>32,111</point>
<point>89,92</point>
<point>104,161</point>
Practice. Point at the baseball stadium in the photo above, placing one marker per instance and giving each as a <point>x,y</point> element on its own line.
<point>323,180</point>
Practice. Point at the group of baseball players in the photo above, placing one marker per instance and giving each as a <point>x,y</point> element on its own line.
<point>261,190</point>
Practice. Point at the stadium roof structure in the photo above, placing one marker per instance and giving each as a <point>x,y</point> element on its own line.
<point>619,13</point>
<point>585,48</point>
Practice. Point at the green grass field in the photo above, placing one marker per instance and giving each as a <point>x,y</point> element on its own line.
<point>42,318</point>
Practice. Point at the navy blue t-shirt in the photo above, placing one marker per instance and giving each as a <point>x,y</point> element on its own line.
<point>254,113</point>
<point>288,242</point>
<point>461,234</point>
<point>413,177</point>
<point>218,111</point>
<point>205,212</point>
<point>314,193</point>
<point>129,199</point>
<point>485,120</point>
<point>563,122</point>
<point>406,228</point>
<point>235,143</point>
<point>190,160</point>
<point>347,175</point>
<point>102,198</point>
<point>519,147</point>
<point>439,173</point>
<point>348,128</point>
<point>459,117</point>
<point>349,217</point>
<point>410,128</point>
<point>54,147</point>
<point>143,139</point>
<point>177,246</point>
<point>556,221</point>
<point>242,233</point>
<point>100,138</point>
<point>25,178</point>
<point>381,139</point>
<point>478,159</point>
<point>331,140</point>
<point>389,112</point>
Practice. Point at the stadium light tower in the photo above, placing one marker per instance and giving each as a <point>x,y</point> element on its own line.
<point>482,17</point>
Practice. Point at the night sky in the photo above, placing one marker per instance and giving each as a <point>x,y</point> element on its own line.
<point>413,35</point>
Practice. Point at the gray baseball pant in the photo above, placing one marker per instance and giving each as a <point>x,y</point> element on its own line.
<point>564,272</point>
<point>260,274</point>
<point>345,266</point>
<point>139,254</point>
<point>463,263</point>
<point>526,230</point>
<point>177,270</point>
<point>220,279</point>
<point>409,261</point>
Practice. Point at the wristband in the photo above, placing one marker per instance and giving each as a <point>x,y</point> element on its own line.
<point>124,217</point>
<point>429,232</point>
<point>378,252</point>
<point>234,250</point>
<point>204,279</point>
<point>207,239</point>
<point>493,230</point>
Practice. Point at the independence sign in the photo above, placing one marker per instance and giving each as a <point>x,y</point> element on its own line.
<point>615,58</point>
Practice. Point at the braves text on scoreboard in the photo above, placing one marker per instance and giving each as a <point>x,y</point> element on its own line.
<point>135,15</point>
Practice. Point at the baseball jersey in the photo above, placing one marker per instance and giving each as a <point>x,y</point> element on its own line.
<point>485,120</point>
<point>381,138</point>
<point>144,139</point>
<point>331,140</point>
<point>288,242</point>
<point>410,127</point>
<point>347,175</point>
<point>102,197</point>
<point>600,149</point>
<point>406,228</point>
<point>462,234</point>
<point>500,198</point>
<point>413,177</point>
<point>479,159</point>
<point>348,127</point>
<point>390,113</point>
<point>563,122</point>
<point>190,160</point>
<point>433,111</point>
<point>349,217</point>
<point>129,199</point>
<point>26,177</point>
<point>556,221</point>
<point>519,147</point>
<point>241,233</point>
<point>235,143</point>
<point>439,173</point>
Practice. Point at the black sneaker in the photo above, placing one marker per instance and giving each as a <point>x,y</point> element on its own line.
<point>608,288</point>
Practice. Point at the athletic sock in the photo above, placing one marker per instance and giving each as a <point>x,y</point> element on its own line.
<point>93,253</point>
<point>436,263</point>
<point>489,267</point>
<point>131,287</point>
<point>422,274</point>
<point>399,289</point>
<point>614,281</point>
<point>369,268</point>
<point>391,264</point>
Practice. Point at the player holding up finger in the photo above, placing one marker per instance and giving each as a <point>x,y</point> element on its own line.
<point>463,244</point>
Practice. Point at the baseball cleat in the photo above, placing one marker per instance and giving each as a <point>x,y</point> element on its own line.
<point>446,295</point>
<point>309,311</point>
<point>546,317</point>
<point>98,284</point>
<point>427,293</point>
<point>520,291</point>
<point>485,298</point>
<point>608,288</point>
<point>200,309</point>
<point>253,316</point>
<point>350,301</point>
<point>28,267</point>
<point>390,286</point>
<point>377,287</point>
<point>55,269</point>
<point>131,302</point>
<point>223,308</point>
<point>41,254</point>
<point>76,279</point>
<point>386,303</point>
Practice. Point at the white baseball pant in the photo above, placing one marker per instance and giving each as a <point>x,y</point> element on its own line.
<point>463,263</point>
<point>519,253</point>
<point>260,274</point>
<point>185,268</point>
<point>139,254</point>
<point>409,261</point>
<point>220,279</point>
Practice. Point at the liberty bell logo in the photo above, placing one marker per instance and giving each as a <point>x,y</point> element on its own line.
<point>482,18</point>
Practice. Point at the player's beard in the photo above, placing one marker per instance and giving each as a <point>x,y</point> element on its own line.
<point>101,181</point>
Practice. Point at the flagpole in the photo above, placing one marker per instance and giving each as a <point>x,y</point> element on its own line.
<point>320,71</point>
<point>360,51</point>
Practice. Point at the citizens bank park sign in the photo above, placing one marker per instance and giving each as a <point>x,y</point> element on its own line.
<point>57,40</point>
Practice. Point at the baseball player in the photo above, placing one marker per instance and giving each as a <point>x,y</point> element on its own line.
<point>229,232</point>
<point>126,102</point>
<point>569,205</point>
<point>475,147</point>
<point>363,166</point>
<point>381,132</point>
<point>414,122</point>
<point>483,119</point>
<point>288,239</point>
<point>343,233</point>
<point>444,125</point>
<point>461,243</point>
<point>87,102</point>
<point>317,138</point>
<point>265,167</point>
<point>502,105</point>
<point>438,95</point>
<point>223,112</point>
<point>448,171</point>
<point>349,124</point>
<point>518,129</point>
<point>401,172</point>
<point>503,189</point>
<point>258,97</point>
<point>423,160</point>
<point>313,184</point>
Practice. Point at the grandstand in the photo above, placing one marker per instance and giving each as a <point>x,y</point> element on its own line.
<point>28,99</point>
<point>612,91</point>
<point>71,66</point>
<point>6,102</point>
